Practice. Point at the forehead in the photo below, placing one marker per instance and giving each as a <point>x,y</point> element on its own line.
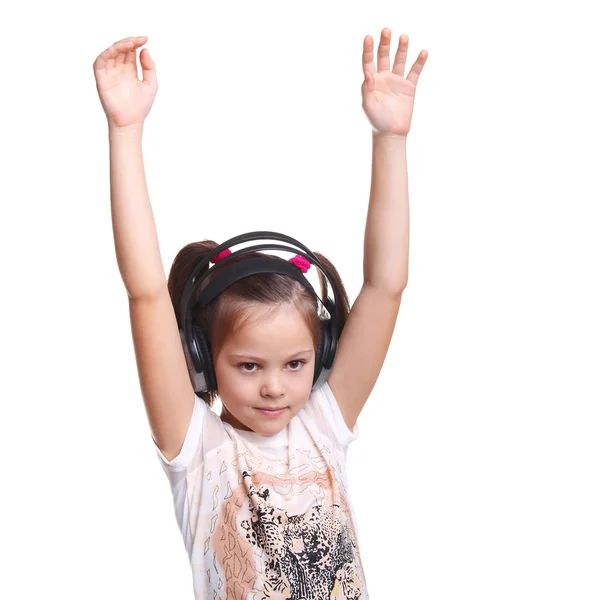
<point>278,330</point>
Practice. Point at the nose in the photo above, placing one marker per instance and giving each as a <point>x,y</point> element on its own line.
<point>272,386</point>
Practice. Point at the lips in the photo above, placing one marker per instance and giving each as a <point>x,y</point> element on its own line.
<point>271,412</point>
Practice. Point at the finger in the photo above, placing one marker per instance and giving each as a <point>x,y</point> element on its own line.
<point>122,48</point>
<point>367,56</point>
<point>127,49</point>
<point>383,52</point>
<point>137,43</point>
<point>414,73</point>
<point>129,58</point>
<point>400,59</point>
<point>111,55</point>
<point>129,39</point>
<point>148,68</point>
<point>124,52</point>
<point>107,58</point>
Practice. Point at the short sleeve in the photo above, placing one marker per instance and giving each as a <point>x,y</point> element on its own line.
<point>333,416</point>
<point>191,443</point>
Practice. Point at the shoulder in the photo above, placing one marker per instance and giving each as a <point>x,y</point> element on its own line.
<point>205,432</point>
<point>322,408</point>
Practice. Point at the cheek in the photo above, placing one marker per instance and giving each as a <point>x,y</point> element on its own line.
<point>224,379</point>
<point>232,384</point>
<point>300,387</point>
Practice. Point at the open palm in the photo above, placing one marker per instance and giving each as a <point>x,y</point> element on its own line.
<point>126,100</point>
<point>388,97</point>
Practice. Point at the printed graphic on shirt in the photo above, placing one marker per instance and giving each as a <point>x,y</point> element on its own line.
<point>277,555</point>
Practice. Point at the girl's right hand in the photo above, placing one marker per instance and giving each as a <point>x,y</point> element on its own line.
<point>125,99</point>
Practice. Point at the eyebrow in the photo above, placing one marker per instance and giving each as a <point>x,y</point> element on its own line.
<point>257,359</point>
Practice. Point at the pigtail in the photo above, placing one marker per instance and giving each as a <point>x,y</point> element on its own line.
<point>334,276</point>
<point>184,263</point>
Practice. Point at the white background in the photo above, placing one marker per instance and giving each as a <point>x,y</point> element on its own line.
<point>476,474</point>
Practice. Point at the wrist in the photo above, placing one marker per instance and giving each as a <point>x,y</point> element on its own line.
<point>135,129</point>
<point>388,136</point>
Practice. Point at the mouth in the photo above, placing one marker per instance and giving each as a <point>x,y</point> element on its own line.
<point>271,412</point>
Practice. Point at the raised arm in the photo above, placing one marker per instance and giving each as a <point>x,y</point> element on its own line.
<point>164,380</point>
<point>134,230</point>
<point>388,100</point>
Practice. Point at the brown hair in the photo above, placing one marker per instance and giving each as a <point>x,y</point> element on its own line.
<point>230,310</point>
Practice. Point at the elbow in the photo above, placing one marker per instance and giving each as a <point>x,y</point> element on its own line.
<point>392,291</point>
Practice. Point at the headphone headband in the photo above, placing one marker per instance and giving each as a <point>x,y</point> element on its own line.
<point>248,237</point>
<point>250,266</point>
<point>197,277</point>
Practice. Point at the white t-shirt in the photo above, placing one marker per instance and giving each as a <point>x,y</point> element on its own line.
<point>268,517</point>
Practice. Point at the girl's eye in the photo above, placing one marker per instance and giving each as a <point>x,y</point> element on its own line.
<point>295,365</point>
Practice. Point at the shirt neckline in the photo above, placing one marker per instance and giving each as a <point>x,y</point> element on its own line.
<point>279,439</point>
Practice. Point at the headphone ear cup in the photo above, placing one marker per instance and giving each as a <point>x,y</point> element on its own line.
<point>319,355</point>
<point>198,358</point>
<point>327,345</point>
<point>330,337</point>
<point>205,358</point>
<point>195,372</point>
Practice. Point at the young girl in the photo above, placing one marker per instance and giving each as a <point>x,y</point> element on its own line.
<point>260,492</point>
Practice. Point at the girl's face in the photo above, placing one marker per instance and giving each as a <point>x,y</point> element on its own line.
<point>266,365</point>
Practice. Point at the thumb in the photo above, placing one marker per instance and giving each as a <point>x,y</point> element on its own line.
<point>148,68</point>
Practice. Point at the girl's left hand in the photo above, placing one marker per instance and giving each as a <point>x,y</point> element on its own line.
<point>388,96</point>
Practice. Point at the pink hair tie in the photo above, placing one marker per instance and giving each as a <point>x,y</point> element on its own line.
<point>302,263</point>
<point>221,255</point>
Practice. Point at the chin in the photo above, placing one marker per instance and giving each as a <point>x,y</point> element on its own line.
<point>270,431</point>
<point>264,427</point>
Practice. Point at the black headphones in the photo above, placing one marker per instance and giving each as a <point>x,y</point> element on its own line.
<point>194,339</point>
